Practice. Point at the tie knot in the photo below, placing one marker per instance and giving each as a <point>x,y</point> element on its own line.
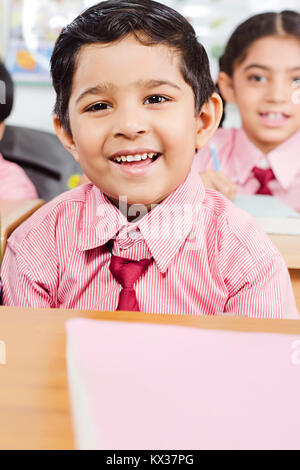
<point>127,271</point>
<point>264,176</point>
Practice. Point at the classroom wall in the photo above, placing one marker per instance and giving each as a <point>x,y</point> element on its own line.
<point>213,21</point>
<point>33,107</point>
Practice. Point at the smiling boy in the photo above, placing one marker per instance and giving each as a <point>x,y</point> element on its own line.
<point>134,100</point>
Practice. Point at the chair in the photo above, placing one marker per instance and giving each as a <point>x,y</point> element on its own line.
<point>43,158</point>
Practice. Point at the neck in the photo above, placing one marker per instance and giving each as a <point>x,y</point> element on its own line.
<point>264,147</point>
<point>132,212</point>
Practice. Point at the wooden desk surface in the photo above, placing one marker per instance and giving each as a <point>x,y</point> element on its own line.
<point>295,278</point>
<point>289,247</point>
<point>12,214</point>
<point>34,403</point>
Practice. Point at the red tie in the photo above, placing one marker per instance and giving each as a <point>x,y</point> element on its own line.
<point>264,176</point>
<point>126,272</point>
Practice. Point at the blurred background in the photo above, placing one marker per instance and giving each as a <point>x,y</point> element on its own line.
<point>28,29</point>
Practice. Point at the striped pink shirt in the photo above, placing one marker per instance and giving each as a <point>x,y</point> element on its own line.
<point>209,256</point>
<point>238,156</point>
<point>14,183</point>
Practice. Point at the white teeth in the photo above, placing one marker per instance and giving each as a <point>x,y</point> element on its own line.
<point>133,158</point>
<point>275,116</point>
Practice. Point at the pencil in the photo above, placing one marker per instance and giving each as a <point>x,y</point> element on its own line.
<point>214,155</point>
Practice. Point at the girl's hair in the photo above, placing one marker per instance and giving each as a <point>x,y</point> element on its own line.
<point>151,23</point>
<point>6,93</point>
<point>285,23</point>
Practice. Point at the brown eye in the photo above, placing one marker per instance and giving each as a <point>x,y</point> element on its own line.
<point>156,99</point>
<point>98,107</point>
<point>257,78</point>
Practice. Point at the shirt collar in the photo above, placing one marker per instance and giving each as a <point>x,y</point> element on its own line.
<point>164,228</point>
<point>246,155</point>
<point>100,222</point>
<point>167,226</point>
<point>285,162</point>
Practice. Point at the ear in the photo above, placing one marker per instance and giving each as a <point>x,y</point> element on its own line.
<point>208,119</point>
<point>225,84</point>
<point>65,138</point>
<point>2,129</point>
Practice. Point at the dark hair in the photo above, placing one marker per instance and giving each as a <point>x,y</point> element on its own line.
<point>150,22</point>
<point>6,93</point>
<point>284,23</point>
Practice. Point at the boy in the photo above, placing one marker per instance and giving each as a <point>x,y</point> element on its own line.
<point>14,183</point>
<point>134,100</point>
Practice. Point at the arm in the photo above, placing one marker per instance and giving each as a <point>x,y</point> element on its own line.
<point>252,269</point>
<point>266,292</point>
<point>220,182</point>
<point>203,164</point>
<point>21,287</point>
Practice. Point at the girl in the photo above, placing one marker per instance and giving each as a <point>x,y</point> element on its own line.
<point>260,72</point>
<point>14,183</point>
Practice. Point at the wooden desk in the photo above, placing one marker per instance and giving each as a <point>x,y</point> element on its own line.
<point>12,214</point>
<point>289,247</point>
<point>34,403</point>
<point>295,278</point>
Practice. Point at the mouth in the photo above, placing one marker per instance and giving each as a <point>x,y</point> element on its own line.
<point>274,119</point>
<point>138,163</point>
<point>135,158</point>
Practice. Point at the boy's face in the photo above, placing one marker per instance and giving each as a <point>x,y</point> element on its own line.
<point>130,102</point>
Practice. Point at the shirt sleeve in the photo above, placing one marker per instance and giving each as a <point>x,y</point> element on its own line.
<point>266,292</point>
<point>252,269</point>
<point>18,284</point>
<point>14,183</point>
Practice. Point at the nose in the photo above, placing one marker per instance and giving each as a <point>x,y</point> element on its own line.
<point>278,91</point>
<point>130,123</point>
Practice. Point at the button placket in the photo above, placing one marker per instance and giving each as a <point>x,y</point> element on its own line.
<point>127,237</point>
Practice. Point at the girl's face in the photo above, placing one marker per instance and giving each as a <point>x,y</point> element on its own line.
<point>264,87</point>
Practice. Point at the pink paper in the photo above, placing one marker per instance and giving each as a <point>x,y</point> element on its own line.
<point>146,386</point>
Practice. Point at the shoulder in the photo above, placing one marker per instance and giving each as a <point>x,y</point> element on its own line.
<point>224,136</point>
<point>8,168</point>
<point>15,184</point>
<point>223,141</point>
<point>62,212</point>
<point>225,133</point>
<point>235,228</point>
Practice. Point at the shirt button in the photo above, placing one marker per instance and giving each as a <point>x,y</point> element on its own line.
<point>263,163</point>
<point>134,234</point>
